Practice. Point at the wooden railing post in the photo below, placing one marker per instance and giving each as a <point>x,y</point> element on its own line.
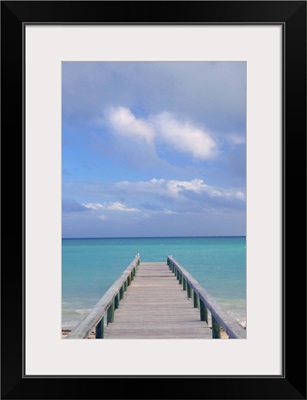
<point>116,301</point>
<point>205,302</point>
<point>188,291</point>
<point>195,300</point>
<point>110,313</point>
<point>203,311</point>
<point>216,329</point>
<point>121,292</point>
<point>100,329</point>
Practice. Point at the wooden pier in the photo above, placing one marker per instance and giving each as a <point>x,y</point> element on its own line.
<point>156,307</point>
<point>157,300</point>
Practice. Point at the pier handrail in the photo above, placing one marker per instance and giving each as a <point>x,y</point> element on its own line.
<point>106,305</point>
<point>219,316</point>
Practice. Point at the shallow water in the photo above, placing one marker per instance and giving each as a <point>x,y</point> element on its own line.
<point>90,266</point>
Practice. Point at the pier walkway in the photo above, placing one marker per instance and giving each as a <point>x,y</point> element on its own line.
<point>156,307</point>
<point>157,300</point>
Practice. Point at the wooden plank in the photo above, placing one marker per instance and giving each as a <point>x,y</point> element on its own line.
<point>155,307</point>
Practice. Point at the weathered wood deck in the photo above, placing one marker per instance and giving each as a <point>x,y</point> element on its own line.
<point>155,306</point>
<point>157,300</point>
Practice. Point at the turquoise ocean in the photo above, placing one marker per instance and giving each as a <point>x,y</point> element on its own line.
<point>90,266</point>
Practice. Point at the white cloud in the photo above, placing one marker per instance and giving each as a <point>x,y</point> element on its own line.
<point>240,195</point>
<point>110,206</point>
<point>185,137</point>
<point>93,206</point>
<point>195,185</point>
<point>236,139</point>
<point>163,129</point>
<point>119,207</point>
<point>177,189</point>
<point>125,123</point>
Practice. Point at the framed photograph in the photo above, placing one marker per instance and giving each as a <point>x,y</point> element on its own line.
<point>141,129</point>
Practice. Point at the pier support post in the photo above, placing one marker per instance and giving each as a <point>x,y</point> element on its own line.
<point>216,329</point>
<point>188,291</point>
<point>121,293</point>
<point>203,311</point>
<point>110,313</point>
<point>116,301</point>
<point>195,300</point>
<point>100,329</point>
<point>184,284</point>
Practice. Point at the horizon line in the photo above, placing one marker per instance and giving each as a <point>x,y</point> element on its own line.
<point>152,237</point>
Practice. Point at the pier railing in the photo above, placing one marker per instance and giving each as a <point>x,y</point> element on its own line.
<point>202,300</point>
<point>103,312</point>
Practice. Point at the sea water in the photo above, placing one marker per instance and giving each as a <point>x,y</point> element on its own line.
<point>91,266</point>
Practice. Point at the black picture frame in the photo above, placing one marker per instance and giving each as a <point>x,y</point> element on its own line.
<point>292,383</point>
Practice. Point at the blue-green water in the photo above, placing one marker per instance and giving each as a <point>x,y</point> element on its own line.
<point>90,266</point>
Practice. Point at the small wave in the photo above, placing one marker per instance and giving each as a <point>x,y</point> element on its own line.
<point>83,311</point>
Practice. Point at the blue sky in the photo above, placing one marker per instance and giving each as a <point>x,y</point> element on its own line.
<point>153,149</point>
